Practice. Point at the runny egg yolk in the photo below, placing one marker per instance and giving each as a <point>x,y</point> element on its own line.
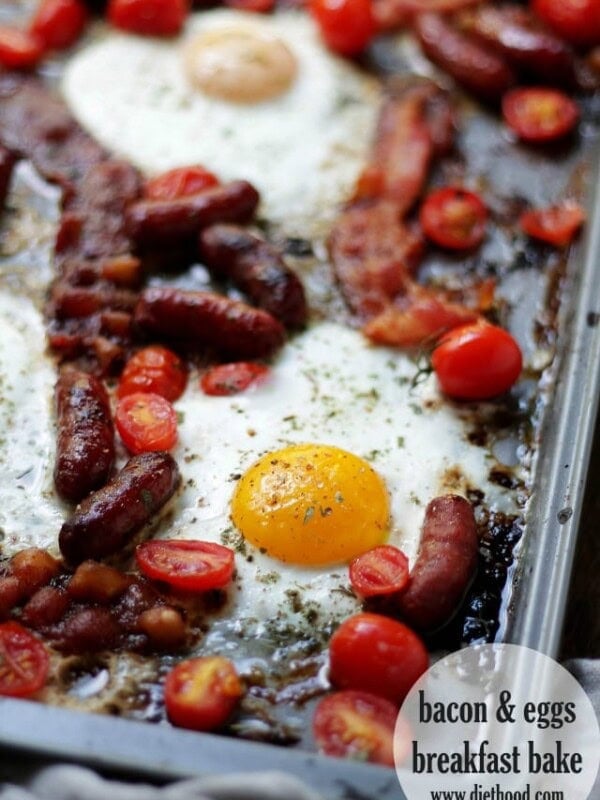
<point>239,64</point>
<point>312,504</point>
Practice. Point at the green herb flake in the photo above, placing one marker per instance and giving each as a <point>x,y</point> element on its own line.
<point>400,441</point>
<point>308,515</point>
<point>147,499</point>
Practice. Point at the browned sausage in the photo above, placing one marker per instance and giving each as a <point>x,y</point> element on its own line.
<point>168,222</point>
<point>85,445</point>
<point>257,268</point>
<point>483,73</point>
<point>7,162</point>
<point>206,319</point>
<point>445,565</point>
<point>109,518</point>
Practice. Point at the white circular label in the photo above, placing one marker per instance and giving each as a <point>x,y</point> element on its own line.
<point>497,722</point>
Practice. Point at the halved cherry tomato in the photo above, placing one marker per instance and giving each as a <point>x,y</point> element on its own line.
<point>537,114</point>
<point>187,565</point>
<point>19,49</point>
<point>180,182</point>
<point>59,23</point>
<point>201,693</point>
<point>24,661</point>
<point>477,361</point>
<point>346,26</point>
<point>382,570</point>
<point>356,725</point>
<point>228,379</point>
<point>376,654</point>
<point>154,369</point>
<point>148,17</point>
<point>578,21</point>
<point>454,218</point>
<point>146,422</point>
<point>260,6</point>
<point>556,225</point>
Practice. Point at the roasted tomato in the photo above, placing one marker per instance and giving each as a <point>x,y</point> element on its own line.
<point>356,725</point>
<point>227,379</point>
<point>376,654</point>
<point>537,114</point>
<point>261,6</point>
<point>382,570</point>
<point>180,182</point>
<point>148,17</point>
<point>19,49</point>
<point>347,26</point>
<point>156,370</point>
<point>556,225</point>
<point>24,661</point>
<point>201,693</point>
<point>187,565</point>
<point>578,21</point>
<point>146,422</point>
<point>59,23</point>
<point>477,361</point>
<point>454,218</point>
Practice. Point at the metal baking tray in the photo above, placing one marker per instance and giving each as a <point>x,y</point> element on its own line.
<point>536,596</point>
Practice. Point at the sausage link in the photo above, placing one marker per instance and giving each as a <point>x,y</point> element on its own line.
<point>153,223</point>
<point>473,66</point>
<point>257,269</point>
<point>7,162</point>
<point>234,329</point>
<point>445,565</point>
<point>85,445</point>
<point>108,519</point>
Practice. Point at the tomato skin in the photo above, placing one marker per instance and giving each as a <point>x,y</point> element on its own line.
<point>356,725</point>
<point>154,369</point>
<point>538,114</point>
<point>30,659</point>
<point>454,218</point>
<point>375,654</point>
<point>557,225</point>
<point>59,23</point>
<point>146,422</point>
<point>201,693</point>
<point>380,571</point>
<point>258,6</point>
<point>179,182</point>
<point>148,17</point>
<point>477,361</point>
<point>187,565</point>
<point>577,21</point>
<point>346,26</point>
<point>227,379</point>
<point>19,49</point>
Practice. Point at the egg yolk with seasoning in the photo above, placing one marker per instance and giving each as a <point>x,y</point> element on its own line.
<point>312,504</point>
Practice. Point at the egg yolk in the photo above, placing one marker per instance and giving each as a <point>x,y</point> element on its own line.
<point>312,504</point>
<point>238,64</point>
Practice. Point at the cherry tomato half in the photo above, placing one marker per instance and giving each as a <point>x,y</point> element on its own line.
<point>180,182</point>
<point>187,565</point>
<point>201,693</point>
<point>556,225</point>
<point>19,49</point>
<point>146,422</point>
<point>372,653</point>
<point>228,379</point>
<point>356,725</point>
<point>382,570</point>
<point>148,17</point>
<point>454,218</point>
<point>24,661</point>
<point>156,370</point>
<point>537,114</point>
<point>59,23</point>
<point>346,26</point>
<point>578,21</point>
<point>477,361</point>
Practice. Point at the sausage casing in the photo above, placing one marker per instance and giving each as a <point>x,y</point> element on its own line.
<point>108,519</point>
<point>445,565</point>
<point>85,451</point>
